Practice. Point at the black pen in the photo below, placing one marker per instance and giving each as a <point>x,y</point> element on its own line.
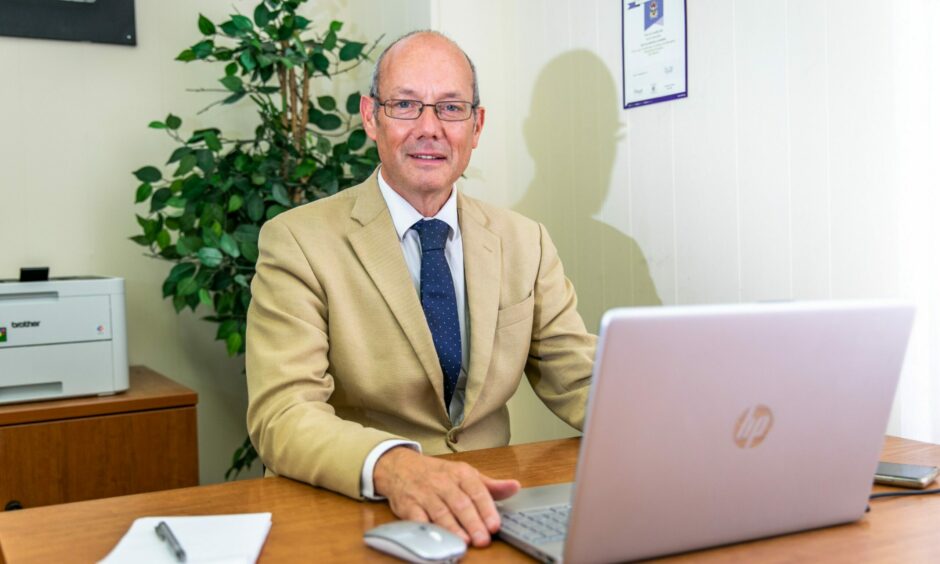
<point>166,535</point>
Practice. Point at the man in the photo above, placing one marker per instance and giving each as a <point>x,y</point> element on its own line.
<point>399,315</point>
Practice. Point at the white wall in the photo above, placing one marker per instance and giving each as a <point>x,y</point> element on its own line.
<point>790,171</point>
<point>73,125</point>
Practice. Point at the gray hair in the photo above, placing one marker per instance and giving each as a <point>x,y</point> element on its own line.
<point>374,87</point>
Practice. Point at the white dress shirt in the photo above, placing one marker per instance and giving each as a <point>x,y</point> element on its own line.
<point>404,215</point>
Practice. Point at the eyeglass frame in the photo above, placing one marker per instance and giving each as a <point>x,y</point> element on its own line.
<point>422,105</point>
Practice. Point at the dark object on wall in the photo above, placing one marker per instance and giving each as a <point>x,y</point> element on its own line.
<point>99,21</point>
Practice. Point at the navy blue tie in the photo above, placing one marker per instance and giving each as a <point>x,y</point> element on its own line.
<point>440,301</point>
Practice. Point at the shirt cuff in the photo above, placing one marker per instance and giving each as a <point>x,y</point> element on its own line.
<point>366,484</point>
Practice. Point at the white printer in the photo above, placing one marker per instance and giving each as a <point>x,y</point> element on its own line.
<point>61,338</point>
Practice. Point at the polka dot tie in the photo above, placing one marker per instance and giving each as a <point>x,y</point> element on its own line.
<point>440,301</point>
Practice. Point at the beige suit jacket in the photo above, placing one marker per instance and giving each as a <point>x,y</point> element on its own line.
<point>340,357</point>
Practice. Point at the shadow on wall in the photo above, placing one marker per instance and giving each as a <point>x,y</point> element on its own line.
<point>572,134</point>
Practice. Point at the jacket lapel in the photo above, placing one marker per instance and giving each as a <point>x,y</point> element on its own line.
<point>482,270</point>
<point>376,244</point>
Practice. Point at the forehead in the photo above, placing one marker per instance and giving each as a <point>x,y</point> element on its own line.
<point>426,65</point>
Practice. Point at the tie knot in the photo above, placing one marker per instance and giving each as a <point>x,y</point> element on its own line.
<point>433,234</point>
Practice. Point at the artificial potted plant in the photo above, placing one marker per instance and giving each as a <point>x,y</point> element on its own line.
<point>206,210</point>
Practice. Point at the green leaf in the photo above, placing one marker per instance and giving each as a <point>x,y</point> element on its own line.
<point>186,55</point>
<point>206,26</point>
<point>246,233</point>
<point>328,103</point>
<point>179,154</point>
<point>173,122</point>
<point>234,203</point>
<point>249,251</point>
<point>336,26</point>
<point>242,161</point>
<point>186,165</point>
<point>320,62</point>
<point>247,61</point>
<point>142,240</point>
<point>234,344</point>
<point>188,245</point>
<point>156,125</point>
<point>255,207</point>
<point>180,271</point>
<point>323,145</point>
<point>357,139</point>
<point>229,28</point>
<point>257,178</point>
<point>205,160</point>
<point>303,170</point>
<point>242,23</point>
<point>352,103</point>
<point>163,239</point>
<point>233,83</point>
<point>226,328</point>
<point>280,195</point>
<point>274,211</point>
<point>350,51</point>
<point>210,256</point>
<point>229,246</point>
<point>148,174</point>
<point>262,15</point>
<point>329,122</point>
<point>187,286</point>
<point>212,141</point>
<point>179,303</point>
<point>203,49</point>
<point>330,42</point>
<point>143,192</point>
<point>204,297</point>
<point>159,199</point>
<point>231,69</point>
<point>234,98</point>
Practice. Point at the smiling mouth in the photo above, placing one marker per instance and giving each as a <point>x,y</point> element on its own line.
<point>430,157</point>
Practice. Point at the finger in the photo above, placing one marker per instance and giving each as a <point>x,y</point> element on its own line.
<point>440,514</point>
<point>414,513</point>
<point>501,489</point>
<point>483,502</point>
<point>463,503</point>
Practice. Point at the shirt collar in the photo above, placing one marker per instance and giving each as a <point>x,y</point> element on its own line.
<point>404,215</point>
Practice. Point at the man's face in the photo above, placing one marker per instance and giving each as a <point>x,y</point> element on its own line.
<point>425,156</point>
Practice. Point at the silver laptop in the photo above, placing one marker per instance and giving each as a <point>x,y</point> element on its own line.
<point>710,425</point>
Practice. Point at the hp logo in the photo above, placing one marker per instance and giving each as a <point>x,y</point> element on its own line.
<point>752,426</point>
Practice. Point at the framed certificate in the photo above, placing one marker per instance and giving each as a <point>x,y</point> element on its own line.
<point>654,51</point>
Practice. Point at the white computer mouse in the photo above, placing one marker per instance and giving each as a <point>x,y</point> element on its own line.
<point>416,542</point>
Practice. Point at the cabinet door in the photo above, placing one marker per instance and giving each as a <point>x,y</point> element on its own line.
<point>95,457</point>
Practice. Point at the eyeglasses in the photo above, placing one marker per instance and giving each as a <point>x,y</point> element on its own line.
<point>447,110</point>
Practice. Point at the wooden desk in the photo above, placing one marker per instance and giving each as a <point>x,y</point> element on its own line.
<point>312,525</point>
<point>77,449</point>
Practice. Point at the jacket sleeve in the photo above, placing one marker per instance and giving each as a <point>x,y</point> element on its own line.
<point>561,355</point>
<point>291,424</point>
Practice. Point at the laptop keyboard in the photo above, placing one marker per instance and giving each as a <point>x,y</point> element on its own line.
<point>538,526</point>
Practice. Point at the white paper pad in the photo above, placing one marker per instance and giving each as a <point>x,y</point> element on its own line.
<point>213,538</point>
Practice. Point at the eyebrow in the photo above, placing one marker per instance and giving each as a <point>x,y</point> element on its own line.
<point>450,95</point>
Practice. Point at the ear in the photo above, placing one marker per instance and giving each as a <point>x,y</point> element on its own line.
<point>367,106</point>
<point>478,125</point>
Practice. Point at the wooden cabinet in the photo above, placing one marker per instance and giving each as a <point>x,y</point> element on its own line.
<point>87,448</point>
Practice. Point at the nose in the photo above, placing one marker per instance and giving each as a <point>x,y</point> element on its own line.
<point>428,124</point>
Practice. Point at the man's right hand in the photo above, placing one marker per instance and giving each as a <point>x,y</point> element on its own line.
<point>453,495</point>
